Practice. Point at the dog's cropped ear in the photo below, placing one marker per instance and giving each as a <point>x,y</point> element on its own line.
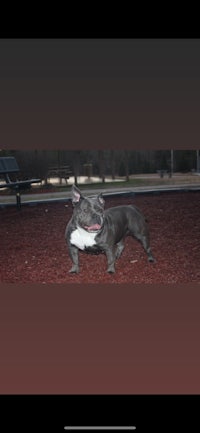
<point>101,199</point>
<point>76,195</point>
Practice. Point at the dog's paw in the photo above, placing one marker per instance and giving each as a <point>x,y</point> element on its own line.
<point>74,270</point>
<point>111,270</point>
<point>151,260</point>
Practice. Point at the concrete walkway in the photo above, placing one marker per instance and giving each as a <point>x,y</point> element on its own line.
<point>66,195</point>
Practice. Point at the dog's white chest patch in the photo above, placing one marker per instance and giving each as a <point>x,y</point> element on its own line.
<point>82,239</point>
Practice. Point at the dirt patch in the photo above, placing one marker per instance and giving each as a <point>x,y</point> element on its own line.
<point>33,247</point>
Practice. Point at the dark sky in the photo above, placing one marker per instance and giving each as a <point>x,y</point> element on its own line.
<point>99,93</point>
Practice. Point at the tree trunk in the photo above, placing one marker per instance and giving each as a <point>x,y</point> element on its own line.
<point>126,162</point>
<point>59,164</point>
<point>172,163</point>
<point>46,166</point>
<point>112,156</point>
<point>76,165</point>
<point>101,165</point>
<point>198,162</point>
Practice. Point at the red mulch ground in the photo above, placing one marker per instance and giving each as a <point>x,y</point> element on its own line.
<point>33,247</point>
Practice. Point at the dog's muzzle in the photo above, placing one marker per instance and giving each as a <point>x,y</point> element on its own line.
<point>93,228</point>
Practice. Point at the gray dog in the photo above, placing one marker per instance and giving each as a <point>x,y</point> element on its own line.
<point>94,230</point>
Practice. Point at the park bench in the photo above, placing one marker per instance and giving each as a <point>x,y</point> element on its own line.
<point>62,172</point>
<point>162,173</point>
<point>9,167</point>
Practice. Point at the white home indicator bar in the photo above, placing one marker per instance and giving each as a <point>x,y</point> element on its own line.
<point>127,428</point>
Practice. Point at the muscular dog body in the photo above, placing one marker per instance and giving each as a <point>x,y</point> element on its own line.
<point>94,229</point>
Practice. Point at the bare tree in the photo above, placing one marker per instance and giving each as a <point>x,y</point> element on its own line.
<point>198,161</point>
<point>112,158</point>
<point>101,165</point>
<point>126,162</point>
<point>76,165</point>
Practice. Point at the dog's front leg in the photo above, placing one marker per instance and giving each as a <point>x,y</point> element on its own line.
<point>73,252</point>
<point>111,256</point>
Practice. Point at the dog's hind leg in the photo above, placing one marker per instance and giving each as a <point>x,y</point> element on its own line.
<point>144,239</point>
<point>146,245</point>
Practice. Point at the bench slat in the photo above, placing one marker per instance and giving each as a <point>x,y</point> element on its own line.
<point>9,165</point>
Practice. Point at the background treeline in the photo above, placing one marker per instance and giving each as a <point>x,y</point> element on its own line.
<point>36,163</point>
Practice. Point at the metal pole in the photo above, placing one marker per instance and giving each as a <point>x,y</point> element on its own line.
<point>18,200</point>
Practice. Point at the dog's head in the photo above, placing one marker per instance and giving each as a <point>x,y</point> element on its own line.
<point>88,212</point>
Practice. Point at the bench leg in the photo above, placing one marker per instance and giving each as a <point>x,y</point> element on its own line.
<point>18,200</point>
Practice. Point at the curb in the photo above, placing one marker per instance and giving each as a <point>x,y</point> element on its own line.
<point>127,193</point>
